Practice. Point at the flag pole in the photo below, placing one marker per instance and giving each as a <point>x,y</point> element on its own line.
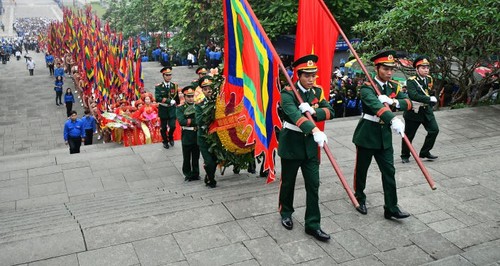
<point>325,146</point>
<point>405,138</point>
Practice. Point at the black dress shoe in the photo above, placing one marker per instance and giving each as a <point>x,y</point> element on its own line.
<point>172,143</point>
<point>287,223</point>
<point>429,156</point>
<point>206,179</point>
<point>398,214</point>
<point>362,208</point>
<point>318,234</point>
<point>211,183</point>
<point>405,160</point>
<point>194,178</point>
<point>165,145</point>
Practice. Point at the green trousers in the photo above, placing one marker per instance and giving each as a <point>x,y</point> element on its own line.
<point>310,171</point>
<point>210,161</point>
<point>411,128</point>
<point>190,162</point>
<point>385,162</point>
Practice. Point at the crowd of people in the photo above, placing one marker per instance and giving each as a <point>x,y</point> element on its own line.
<point>155,118</point>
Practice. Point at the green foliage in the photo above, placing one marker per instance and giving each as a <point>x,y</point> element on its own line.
<point>224,157</point>
<point>457,35</point>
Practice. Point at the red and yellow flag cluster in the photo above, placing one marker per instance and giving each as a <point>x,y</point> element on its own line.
<point>108,66</point>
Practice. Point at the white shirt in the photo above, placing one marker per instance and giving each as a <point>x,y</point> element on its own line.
<point>30,64</point>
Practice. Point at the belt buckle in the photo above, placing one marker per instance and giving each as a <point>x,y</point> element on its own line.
<point>381,122</point>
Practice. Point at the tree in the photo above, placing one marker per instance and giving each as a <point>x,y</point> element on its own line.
<point>457,35</point>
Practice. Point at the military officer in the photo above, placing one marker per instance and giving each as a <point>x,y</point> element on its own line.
<point>167,95</point>
<point>209,159</point>
<point>298,145</point>
<point>198,93</point>
<point>419,89</point>
<point>190,149</point>
<point>373,138</point>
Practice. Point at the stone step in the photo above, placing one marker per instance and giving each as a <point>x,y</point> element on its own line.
<point>13,216</point>
<point>130,209</point>
<point>124,196</point>
<point>147,213</point>
<point>40,232</point>
<point>99,207</point>
<point>34,222</point>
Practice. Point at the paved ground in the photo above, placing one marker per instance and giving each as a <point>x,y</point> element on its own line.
<point>112,205</point>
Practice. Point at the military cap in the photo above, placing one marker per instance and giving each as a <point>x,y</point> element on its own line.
<point>386,58</point>
<point>166,70</point>
<point>188,90</point>
<point>306,64</point>
<point>205,81</point>
<point>421,61</point>
<point>201,70</point>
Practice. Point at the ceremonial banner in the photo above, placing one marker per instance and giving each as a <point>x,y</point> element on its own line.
<point>317,34</point>
<point>251,71</point>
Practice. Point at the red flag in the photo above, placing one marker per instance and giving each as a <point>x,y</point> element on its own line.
<point>317,34</point>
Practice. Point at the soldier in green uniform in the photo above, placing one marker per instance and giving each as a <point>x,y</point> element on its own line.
<point>190,149</point>
<point>298,145</point>
<point>209,159</point>
<point>419,90</point>
<point>373,137</point>
<point>167,95</point>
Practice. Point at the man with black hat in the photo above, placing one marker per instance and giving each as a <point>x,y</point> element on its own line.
<point>298,145</point>
<point>190,149</point>
<point>167,95</point>
<point>209,159</point>
<point>419,89</point>
<point>373,137</point>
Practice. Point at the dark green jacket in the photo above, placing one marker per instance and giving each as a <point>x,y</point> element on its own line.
<point>162,92</point>
<point>186,118</point>
<point>202,128</point>
<point>422,95</point>
<point>301,145</point>
<point>378,135</point>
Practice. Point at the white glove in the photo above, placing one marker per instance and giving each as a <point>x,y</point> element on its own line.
<point>172,102</point>
<point>434,99</point>
<point>305,107</point>
<point>320,138</point>
<point>398,126</point>
<point>385,99</point>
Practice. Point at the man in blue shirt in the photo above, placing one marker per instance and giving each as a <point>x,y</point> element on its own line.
<point>59,71</point>
<point>89,125</point>
<point>74,134</point>
<point>49,60</point>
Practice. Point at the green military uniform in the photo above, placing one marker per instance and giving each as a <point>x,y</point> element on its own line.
<point>190,148</point>
<point>164,94</point>
<point>374,139</point>
<point>419,90</point>
<point>209,159</point>
<point>299,150</point>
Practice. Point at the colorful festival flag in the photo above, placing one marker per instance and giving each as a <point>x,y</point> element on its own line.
<point>251,71</point>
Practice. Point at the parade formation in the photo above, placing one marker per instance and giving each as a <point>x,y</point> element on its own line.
<point>246,107</point>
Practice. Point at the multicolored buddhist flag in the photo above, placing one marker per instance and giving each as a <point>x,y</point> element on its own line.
<point>251,71</point>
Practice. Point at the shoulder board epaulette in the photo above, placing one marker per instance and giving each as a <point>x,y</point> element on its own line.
<point>318,86</point>
<point>429,76</point>
<point>412,77</point>
<point>288,88</point>
<point>367,83</point>
<point>158,84</point>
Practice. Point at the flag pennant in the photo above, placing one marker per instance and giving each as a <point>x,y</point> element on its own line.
<point>317,34</point>
<point>251,71</point>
